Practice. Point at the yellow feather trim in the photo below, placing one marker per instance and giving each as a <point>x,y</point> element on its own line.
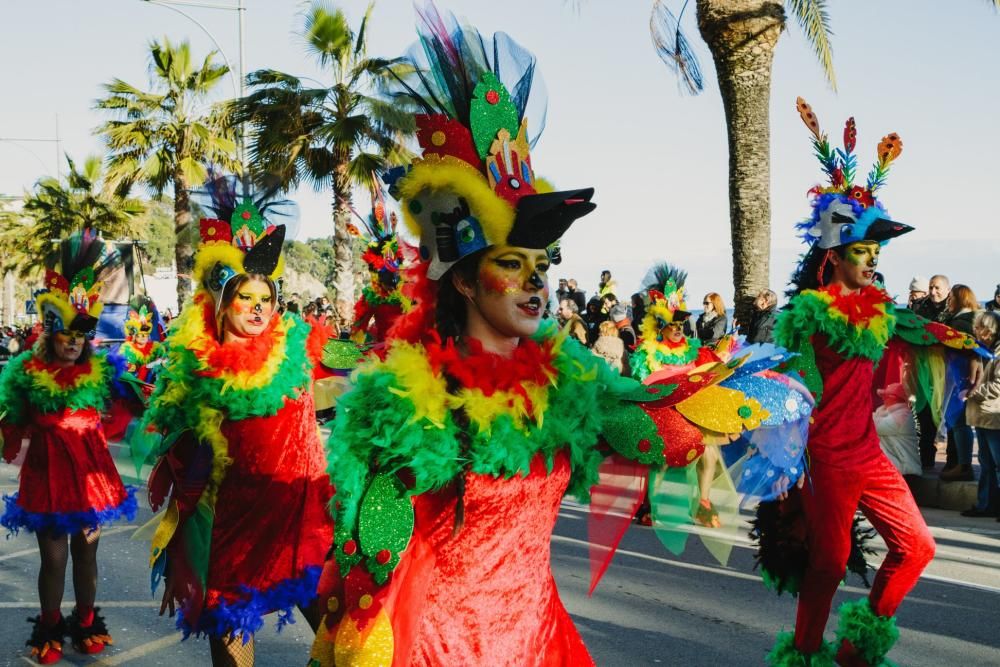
<point>434,173</point>
<point>426,390</point>
<point>225,253</point>
<point>45,378</point>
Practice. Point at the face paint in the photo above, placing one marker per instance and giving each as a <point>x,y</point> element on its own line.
<point>141,338</point>
<point>512,289</point>
<point>250,310</point>
<point>857,268</point>
<point>68,346</point>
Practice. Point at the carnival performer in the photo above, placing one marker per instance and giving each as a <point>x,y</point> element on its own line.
<point>451,456</point>
<point>840,322</point>
<point>142,356</point>
<point>140,350</point>
<point>53,395</point>
<point>245,529</point>
<point>382,300</point>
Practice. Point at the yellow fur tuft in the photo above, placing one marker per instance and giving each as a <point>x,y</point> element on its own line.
<point>434,173</point>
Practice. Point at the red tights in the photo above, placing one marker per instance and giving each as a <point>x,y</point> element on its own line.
<point>830,498</point>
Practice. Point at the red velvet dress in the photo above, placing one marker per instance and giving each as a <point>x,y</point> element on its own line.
<point>519,619</point>
<point>253,545</point>
<point>258,537</point>
<point>69,481</point>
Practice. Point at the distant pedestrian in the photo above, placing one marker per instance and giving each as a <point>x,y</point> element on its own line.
<point>568,314</point>
<point>578,295</point>
<point>933,306</point>
<point>993,305</point>
<point>982,410</point>
<point>918,291</point>
<point>609,346</point>
<point>711,325</point>
<point>638,308</point>
<point>606,284</point>
<point>761,326</point>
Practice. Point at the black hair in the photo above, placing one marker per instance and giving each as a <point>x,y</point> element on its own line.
<point>451,311</point>
<point>814,269</point>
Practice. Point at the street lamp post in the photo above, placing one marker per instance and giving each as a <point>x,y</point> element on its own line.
<point>239,86</point>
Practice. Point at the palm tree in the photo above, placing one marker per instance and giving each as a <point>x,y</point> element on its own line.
<point>742,35</point>
<point>56,208</point>
<point>167,136</point>
<point>334,135</point>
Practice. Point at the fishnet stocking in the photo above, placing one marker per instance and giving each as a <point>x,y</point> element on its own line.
<point>232,652</point>
<point>83,547</point>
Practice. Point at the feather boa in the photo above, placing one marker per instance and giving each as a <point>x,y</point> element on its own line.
<point>399,416</point>
<point>240,381</point>
<point>651,355</point>
<point>29,382</point>
<point>16,517</point>
<point>856,325</point>
<point>140,356</point>
<point>784,654</point>
<point>246,616</point>
<point>871,635</point>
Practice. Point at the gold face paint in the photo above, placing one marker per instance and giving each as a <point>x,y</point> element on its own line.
<point>863,253</point>
<point>506,270</point>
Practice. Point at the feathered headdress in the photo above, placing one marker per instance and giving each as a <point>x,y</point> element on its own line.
<point>843,212</point>
<point>71,297</point>
<point>664,284</point>
<point>239,239</point>
<point>383,256</point>
<point>475,185</point>
<point>140,317</point>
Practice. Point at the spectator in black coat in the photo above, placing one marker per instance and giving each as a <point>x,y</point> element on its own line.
<point>761,326</point>
<point>994,305</point>
<point>578,295</point>
<point>934,305</point>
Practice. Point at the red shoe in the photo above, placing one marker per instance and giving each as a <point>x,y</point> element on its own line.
<point>706,515</point>
<point>46,641</point>
<point>848,656</point>
<point>91,638</point>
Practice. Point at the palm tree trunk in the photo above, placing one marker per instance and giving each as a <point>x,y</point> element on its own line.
<point>183,252</point>
<point>742,34</point>
<point>343,247</point>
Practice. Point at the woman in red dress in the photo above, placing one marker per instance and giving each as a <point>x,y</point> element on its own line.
<point>245,530</point>
<point>450,457</point>
<point>53,395</point>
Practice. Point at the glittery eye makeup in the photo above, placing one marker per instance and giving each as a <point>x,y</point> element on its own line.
<point>508,272</point>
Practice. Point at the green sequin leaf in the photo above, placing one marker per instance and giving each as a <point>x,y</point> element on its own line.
<point>84,277</point>
<point>385,524</point>
<point>632,433</point>
<point>341,354</point>
<point>649,392</point>
<point>247,214</point>
<point>491,110</point>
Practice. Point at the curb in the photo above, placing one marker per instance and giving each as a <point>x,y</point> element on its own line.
<point>929,491</point>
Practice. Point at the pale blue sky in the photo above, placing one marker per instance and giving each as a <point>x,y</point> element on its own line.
<point>658,159</point>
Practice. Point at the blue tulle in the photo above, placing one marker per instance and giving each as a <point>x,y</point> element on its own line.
<point>246,615</point>
<point>776,452</point>
<point>16,517</point>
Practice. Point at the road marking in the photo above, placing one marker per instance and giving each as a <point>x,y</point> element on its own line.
<point>139,651</point>
<point>104,533</point>
<point>112,604</point>
<point>959,582</point>
<point>687,566</point>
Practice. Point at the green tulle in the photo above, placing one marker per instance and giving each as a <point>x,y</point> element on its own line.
<point>872,635</point>
<point>376,428</point>
<point>18,391</point>
<point>784,654</point>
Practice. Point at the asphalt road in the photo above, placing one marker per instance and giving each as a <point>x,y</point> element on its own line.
<point>651,607</point>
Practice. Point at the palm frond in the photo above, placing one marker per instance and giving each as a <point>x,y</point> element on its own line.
<point>814,19</point>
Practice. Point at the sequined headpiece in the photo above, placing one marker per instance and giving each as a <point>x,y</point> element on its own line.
<point>843,212</point>
<point>383,256</point>
<point>140,320</point>
<point>239,240</point>
<point>474,185</point>
<point>71,297</point>
<point>664,284</point>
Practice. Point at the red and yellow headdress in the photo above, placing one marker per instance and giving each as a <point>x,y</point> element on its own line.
<point>139,321</point>
<point>71,297</point>
<point>239,239</point>
<point>474,185</point>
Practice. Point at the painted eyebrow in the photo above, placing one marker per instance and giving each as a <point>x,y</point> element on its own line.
<point>539,258</point>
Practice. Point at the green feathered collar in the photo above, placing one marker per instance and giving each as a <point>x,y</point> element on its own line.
<point>397,417</point>
<point>28,382</point>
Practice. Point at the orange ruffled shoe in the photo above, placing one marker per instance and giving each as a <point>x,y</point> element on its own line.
<point>90,638</point>
<point>46,640</point>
